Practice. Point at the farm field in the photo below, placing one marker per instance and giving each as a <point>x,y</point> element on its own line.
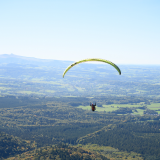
<point>135,108</point>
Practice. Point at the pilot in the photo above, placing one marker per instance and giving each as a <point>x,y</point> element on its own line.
<point>93,106</point>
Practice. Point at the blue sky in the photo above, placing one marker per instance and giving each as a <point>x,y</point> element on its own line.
<point>122,31</point>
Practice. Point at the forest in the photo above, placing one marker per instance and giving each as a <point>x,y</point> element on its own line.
<point>30,123</point>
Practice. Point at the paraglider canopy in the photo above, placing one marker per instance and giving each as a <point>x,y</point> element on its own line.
<point>93,59</point>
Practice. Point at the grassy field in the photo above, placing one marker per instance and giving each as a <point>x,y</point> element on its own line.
<point>114,107</point>
<point>29,92</point>
<point>154,106</point>
<point>4,88</point>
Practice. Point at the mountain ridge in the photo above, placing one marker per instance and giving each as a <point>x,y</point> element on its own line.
<point>12,58</point>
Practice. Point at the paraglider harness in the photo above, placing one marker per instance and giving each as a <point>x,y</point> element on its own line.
<point>93,106</point>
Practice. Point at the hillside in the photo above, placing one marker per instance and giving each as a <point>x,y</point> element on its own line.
<point>61,152</point>
<point>10,145</point>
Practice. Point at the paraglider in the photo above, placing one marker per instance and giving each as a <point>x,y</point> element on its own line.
<point>93,59</point>
<point>93,106</point>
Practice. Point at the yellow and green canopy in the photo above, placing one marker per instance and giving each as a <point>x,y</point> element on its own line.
<point>93,59</point>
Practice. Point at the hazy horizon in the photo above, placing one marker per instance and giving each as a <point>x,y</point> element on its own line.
<point>79,59</point>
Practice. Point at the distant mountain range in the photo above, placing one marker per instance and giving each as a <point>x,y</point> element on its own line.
<point>12,58</point>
